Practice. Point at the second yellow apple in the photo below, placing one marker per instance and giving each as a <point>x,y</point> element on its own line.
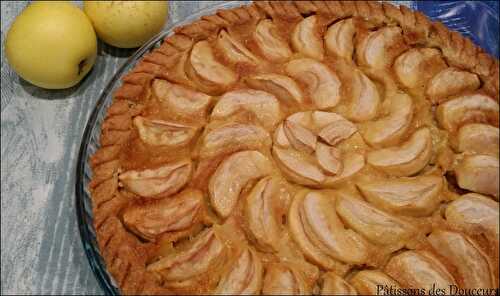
<point>127,24</point>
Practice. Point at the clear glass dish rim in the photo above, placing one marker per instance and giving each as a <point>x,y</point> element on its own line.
<point>82,196</point>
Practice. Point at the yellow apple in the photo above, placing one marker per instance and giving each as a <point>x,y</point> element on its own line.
<point>51,44</point>
<point>126,24</point>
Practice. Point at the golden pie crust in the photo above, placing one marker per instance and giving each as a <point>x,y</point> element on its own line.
<point>302,147</point>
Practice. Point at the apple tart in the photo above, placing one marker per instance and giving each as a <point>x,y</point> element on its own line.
<point>302,147</point>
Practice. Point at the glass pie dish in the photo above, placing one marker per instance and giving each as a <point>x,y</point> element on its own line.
<point>459,16</point>
<point>90,143</point>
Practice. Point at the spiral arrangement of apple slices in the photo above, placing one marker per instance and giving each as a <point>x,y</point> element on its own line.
<point>307,155</point>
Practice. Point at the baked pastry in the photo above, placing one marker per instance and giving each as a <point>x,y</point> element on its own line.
<point>302,147</point>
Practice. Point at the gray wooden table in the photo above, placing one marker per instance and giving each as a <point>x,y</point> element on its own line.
<point>41,130</point>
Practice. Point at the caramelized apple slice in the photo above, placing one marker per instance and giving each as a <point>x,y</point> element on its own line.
<point>417,66</point>
<point>204,253</point>
<point>283,87</point>
<point>449,82</point>
<point>377,226</point>
<point>320,247</point>
<point>263,213</point>
<point>233,136</point>
<point>339,38</point>
<point>167,215</point>
<point>300,137</point>
<point>335,285</point>
<point>419,269</point>
<point>477,108</point>
<point>378,49</point>
<point>367,282</point>
<point>165,180</point>
<point>176,64</point>
<point>306,39</point>
<point>322,119</point>
<point>329,159</point>
<point>338,130</point>
<point>352,163</point>
<point>163,133</point>
<point>478,138</point>
<point>280,138</point>
<point>365,100</point>
<point>310,245</point>
<point>404,160</point>
<point>317,214</point>
<point>281,279</point>
<point>232,175</point>
<point>183,268</point>
<point>297,167</point>
<point>210,75</point>
<point>479,173</point>
<point>272,46</point>
<point>244,277</point>
<point>416,196</point>
<point>474,213</point>
<point>234,51</point>
<point>180,100</point>
<point>389,129</point>
<point>323,84</point>
<point>471,263</point>
<point>263,105</point>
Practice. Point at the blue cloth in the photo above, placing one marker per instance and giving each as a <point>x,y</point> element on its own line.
<point>477,20</point>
